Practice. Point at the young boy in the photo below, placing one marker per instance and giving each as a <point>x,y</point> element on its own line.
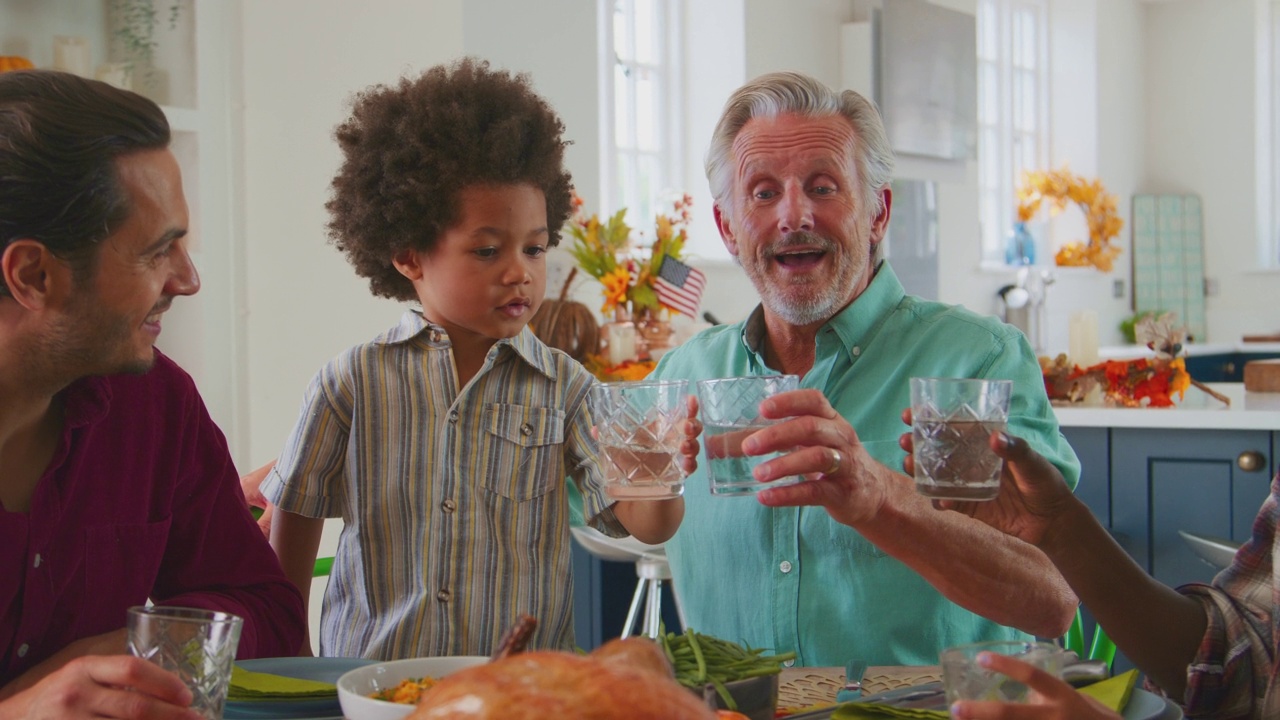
<point>445,442</point>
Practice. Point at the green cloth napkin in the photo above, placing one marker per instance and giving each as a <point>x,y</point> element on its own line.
<point>1113,692</point>
<point>248,685</point>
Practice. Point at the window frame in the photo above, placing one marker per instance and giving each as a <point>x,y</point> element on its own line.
<point>998,196</point>
<point>666,70</point>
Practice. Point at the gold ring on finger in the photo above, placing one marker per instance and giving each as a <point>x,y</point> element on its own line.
<point>836,459</point>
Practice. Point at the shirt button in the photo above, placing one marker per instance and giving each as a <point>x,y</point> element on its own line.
<point>453,416</point>
<point>785,566</point>
<point>526,429</point>
<point>856,351</point>
<point>788,663</point>
<point>448,506</point>
<point>36,562</point>
<point>22,650</point>
<point>443,596</point>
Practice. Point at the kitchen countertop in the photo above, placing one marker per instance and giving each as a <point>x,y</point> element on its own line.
<point>1193,349</point>
<point>1197,411</point>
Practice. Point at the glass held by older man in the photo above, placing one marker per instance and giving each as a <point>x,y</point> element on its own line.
<point>801,177</point>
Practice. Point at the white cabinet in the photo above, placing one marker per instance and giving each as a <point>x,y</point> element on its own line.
<point>193,81</point>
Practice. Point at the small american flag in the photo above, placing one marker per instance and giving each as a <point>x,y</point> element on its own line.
<point>679,286</point>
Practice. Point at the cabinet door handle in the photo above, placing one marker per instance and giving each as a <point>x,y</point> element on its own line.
<point>1229,369</point>
<point>1251,461</point>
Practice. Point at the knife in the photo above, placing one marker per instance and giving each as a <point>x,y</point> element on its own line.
<point>852,689</point>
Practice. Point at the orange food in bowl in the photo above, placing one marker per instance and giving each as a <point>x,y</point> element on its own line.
<point>406,692</point>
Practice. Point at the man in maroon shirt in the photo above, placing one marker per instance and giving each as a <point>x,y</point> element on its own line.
<point>115,485</point>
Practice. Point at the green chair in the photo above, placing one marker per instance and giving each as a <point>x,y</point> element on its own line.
<point>1100,648</point>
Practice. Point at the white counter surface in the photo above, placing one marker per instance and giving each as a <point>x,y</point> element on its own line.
<point>1198,411</point>
<point>1124,352</point>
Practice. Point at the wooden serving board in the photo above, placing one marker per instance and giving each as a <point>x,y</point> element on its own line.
<point>1262,375</point>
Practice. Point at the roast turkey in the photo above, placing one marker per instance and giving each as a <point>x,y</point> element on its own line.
<point>623,679</point>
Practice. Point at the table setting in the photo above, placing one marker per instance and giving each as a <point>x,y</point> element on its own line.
<point>898,691</point>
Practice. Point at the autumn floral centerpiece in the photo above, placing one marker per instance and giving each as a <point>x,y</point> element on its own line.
<point>642,282</point>
<point>1060,187</point>
<point>1142,382</point>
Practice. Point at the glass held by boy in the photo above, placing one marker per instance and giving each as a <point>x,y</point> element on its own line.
<point>445,442</point>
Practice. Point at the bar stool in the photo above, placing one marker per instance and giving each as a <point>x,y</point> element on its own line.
<point>651,570</point>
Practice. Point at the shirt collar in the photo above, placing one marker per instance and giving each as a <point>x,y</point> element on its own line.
<point>86,401</point>
<point>525,345</point>
<point>855,325</point>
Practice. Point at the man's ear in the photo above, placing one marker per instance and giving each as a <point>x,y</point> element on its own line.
<point>408,262</point>
<point>726,230</point>
<point>880,224</point>
<point>32,273</point>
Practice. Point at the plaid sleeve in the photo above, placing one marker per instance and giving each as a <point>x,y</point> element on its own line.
<point>1234,671</point>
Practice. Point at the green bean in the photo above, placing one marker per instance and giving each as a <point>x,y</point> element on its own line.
<point>699,660</point>
<point>697,654</point>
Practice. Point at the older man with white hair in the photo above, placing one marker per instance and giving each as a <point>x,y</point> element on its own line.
<point>801,179</point>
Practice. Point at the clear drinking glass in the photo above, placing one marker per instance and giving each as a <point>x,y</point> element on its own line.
<point>964,679</point>
<point>197,645</point>
<point>951,421</point>
<point>638,426</point>
<point>730,411</point>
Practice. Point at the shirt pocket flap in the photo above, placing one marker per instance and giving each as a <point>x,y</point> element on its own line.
<point>526,426</point>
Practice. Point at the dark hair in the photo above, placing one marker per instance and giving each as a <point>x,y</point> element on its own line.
<point>60,136</point>
<point>409,150</point>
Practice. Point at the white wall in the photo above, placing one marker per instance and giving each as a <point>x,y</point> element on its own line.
<point>1200,139</point>
<point>303,59</point>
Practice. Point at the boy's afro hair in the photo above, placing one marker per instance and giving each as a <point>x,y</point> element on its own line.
<point>409,150</point>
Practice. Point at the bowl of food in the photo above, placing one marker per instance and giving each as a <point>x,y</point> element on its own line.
<point>390,690</point>
<point>727,675</point>
<point>755,697</point>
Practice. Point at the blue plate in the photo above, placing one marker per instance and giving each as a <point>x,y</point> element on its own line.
<point>308,668</point>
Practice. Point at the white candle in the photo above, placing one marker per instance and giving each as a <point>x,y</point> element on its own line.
<point>1083,338</point>
<point>620,340</point>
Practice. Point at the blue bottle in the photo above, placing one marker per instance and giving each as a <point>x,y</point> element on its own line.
<point>1020,248</point>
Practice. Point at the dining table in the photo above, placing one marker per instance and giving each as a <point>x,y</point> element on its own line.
<point>801,688</point>
<point>807,686</point>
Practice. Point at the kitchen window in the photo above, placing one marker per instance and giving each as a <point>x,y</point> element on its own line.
<point>1013,110</point>
<point>639,108</point>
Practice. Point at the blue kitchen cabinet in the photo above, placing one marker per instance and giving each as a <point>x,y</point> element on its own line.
<point>1163,481</point>
<point>1222,367</point>
<point>1144,485</point>
<point>1093,447</point>
<point>602,592</point>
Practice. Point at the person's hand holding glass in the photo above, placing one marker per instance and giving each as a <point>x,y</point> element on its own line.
<point>1054,699</point>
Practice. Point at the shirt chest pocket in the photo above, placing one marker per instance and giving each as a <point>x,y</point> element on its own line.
<point>523,451</point>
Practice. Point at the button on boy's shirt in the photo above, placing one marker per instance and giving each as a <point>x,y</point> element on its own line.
<point>455,502</point>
